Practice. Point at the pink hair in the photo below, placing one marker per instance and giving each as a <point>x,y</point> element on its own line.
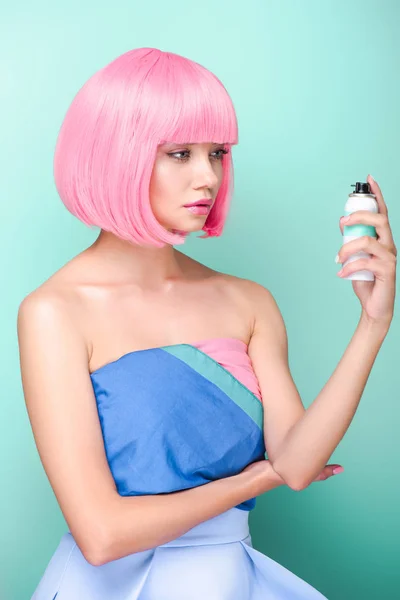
<point>108,141</point>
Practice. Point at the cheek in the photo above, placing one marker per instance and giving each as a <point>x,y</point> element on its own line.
<point>219,171</point>
<point>154,180</point>
<point>163,180</point>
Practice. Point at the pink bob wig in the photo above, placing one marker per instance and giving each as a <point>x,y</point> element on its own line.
<point>108,141</point>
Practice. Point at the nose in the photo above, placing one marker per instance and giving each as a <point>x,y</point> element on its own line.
<point>205,175</point>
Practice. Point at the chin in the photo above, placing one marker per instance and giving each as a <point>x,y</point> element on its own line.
<point>186,228</point>
<point>194,227</point>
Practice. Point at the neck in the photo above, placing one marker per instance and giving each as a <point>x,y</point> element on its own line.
<point>149,267</point>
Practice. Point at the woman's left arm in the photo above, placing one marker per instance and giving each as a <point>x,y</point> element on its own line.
<point>299,441</point>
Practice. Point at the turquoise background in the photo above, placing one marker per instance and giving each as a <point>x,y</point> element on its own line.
<point>316,89</point>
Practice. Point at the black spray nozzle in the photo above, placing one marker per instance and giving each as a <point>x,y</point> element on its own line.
<point>361,187</point>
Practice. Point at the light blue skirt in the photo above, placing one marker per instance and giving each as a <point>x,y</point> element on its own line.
<point>213,561</point>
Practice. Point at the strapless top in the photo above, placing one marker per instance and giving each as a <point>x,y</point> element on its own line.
<point>231,353</point>
<point>180,415</point>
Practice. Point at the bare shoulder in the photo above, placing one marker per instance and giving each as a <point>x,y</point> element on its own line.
<point>41,304</point>
<point>48,318</point>
<point>55,307</point>
<point>252,290</point>
<point>259,300</point>
<point>255,302</point>
<point>44,307</point>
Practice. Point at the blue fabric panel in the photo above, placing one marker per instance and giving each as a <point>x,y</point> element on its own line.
<point>167,427</point>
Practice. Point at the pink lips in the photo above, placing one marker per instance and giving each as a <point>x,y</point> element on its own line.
<point>200,207</point>
<point>207,201</point>
<point>199,210</point>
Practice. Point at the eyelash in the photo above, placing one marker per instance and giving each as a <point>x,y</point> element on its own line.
<point>222,150</point>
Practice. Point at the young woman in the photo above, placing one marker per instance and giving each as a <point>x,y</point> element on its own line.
<point>155,384</point>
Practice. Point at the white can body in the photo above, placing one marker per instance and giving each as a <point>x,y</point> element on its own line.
<point>355,202</point>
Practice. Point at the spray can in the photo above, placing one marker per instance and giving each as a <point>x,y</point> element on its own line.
<point>360,199</point>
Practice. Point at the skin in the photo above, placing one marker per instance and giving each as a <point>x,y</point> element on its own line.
<point>115,297</point>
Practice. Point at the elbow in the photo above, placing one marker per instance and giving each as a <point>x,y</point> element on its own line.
<point>298,486</point>
<point>106,550</point>
<point>94,558</point>
<point>97,555</point>
<point>295,483</point>
<point>100,553</point>
<point>96,548</point>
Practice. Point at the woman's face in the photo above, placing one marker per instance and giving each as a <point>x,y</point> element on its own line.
<point>182,174</point>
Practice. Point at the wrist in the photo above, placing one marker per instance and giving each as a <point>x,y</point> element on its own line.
<point>259,481</point>
<point>380,326</point>
<point>249,482</point>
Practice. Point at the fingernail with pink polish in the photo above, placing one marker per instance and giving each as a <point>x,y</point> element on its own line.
<point>337,470</point>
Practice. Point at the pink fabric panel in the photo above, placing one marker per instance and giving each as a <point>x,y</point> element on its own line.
<point>231,353</point>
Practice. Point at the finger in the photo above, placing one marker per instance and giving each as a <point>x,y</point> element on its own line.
<point>367,244</point>
<point>328,471</point>
<point>354,220</point>
<point>382,270</point>
<point>377,220</point>
<point>376,190</point>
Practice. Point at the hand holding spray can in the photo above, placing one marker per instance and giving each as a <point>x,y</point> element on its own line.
<point>360,199</point>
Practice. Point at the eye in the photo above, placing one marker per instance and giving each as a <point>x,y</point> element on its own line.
<point>187,153</point>
<point>174,155</point>
<point>223,151</point>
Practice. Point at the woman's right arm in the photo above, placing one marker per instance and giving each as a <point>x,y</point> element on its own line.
<point>63,414</point>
